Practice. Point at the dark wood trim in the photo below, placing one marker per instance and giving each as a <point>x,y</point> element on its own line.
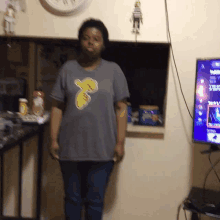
<point>15,218</point>
<point>39,172</point>
<point>151,135</point>
<point>71,41</point>
<point>20,180</point>
<point>2,189</point>
<point>31,72</point>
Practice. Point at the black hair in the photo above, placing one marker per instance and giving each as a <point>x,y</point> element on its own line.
<point>96,24</point>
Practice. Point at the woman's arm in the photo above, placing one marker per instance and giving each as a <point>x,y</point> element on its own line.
<point>121,118</point>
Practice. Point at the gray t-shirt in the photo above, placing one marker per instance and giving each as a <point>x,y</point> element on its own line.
<point>88,129</point>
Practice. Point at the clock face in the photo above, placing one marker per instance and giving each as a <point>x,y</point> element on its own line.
<point>63,7</point>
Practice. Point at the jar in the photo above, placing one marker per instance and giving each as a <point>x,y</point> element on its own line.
<point>23,108</point>
<point>38,103</point>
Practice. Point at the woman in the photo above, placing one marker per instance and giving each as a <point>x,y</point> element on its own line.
<point>88,137</point>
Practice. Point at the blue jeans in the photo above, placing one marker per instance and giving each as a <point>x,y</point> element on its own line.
<point>85,184</point>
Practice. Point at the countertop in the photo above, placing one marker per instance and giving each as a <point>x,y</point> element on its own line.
<point>18,134</point>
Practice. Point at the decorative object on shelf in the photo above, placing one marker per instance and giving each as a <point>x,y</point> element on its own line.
<point>64,7</point>
<point>11,7</point>
<point>136,18</point>
<point>9,20</point>
<point>23,107</point>
<point>19,5</point>
<point>38,102</point>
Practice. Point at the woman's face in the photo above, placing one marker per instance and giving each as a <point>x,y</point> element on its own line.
<point>92,42</point>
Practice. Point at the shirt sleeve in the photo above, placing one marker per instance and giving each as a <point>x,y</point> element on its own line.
<point>120,85</point>
<point>58,90</point>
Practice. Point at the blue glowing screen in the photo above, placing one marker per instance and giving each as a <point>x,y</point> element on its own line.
<point>206,126</point>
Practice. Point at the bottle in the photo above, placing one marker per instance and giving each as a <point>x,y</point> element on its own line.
<point>23,108</point>
<point>38,103</point>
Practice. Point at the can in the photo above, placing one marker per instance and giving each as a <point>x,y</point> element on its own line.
<point>38,103</point>
<point>23,108</point>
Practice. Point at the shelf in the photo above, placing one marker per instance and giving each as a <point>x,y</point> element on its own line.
<point>138,131</point>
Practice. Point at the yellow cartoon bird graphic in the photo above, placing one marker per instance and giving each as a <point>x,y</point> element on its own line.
<point>88,85</point>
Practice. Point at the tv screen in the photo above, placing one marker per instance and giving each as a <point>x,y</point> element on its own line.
<point>206,120</point>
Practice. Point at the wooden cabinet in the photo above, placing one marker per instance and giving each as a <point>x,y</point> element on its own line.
<point>31,181</point>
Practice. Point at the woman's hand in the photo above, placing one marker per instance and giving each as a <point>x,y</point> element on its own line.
<point>119,152</point>
<point>54,150</point>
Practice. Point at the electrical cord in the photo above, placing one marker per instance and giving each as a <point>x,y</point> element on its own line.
<point>181,206</point>
<point>178,210</point>
<point>203,196</point>
<point>185,214</point>
<point>207,174</point>
<point>169,39</point>
<point>213,166</point>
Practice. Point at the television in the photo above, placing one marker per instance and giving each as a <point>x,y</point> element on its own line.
<point>206,119</point>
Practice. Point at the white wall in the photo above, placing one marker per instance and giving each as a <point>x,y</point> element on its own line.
<point>115,14</point>
<point>155,174</point>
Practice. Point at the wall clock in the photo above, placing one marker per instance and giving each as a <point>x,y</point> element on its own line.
<point>64,7</point>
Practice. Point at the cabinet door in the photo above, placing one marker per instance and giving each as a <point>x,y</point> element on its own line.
<point>29,177</point>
